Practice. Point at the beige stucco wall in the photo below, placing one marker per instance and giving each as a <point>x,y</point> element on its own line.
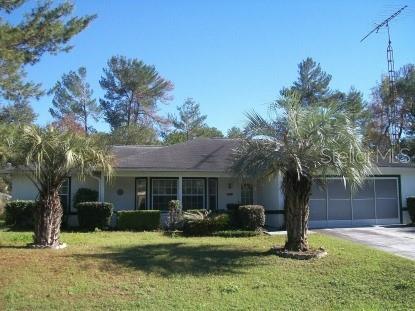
<point>124,201</point>
<point>23,188</point>
<point>270,196</point>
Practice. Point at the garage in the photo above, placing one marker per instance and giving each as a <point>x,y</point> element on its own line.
<point>375,203</point>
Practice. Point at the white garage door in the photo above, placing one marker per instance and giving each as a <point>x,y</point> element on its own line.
<point>376,202</point>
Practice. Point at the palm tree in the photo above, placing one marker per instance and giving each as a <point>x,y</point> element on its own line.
<point>301,143</point>
<point>48,156</point>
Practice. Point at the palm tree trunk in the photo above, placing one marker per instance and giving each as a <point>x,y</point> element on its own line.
<point>48,219</point>
<point>297,194</point>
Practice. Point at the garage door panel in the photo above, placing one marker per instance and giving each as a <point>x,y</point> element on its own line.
<point>318,210</point>
<point>337,190</point>
<point>386,208</point>
<point>386,188</point>
<point>318,191</point>
<point>364,209</point>
<point>365,191</point>
<point>339,210</point>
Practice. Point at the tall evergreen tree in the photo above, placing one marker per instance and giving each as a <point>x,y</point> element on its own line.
<point>312,84</point>
<point>133,91</point>
<point>73,98</point>
<point>190,119</point>
<point>47,28</point>
<point>19,112</point>
<point>133,135</point>
<point>313,88</point>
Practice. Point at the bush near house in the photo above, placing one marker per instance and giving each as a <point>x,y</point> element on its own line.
<point>138,220</point>
<point>196,210</point>
<point>2,211</point>
<point>85,195</point>
<point>93,215</point>
<point>236,233</point>
<point>199,223</point>
<point>20,214</point>
<point>410,203</point>
<point>251,217</point>
<point>232,209</point>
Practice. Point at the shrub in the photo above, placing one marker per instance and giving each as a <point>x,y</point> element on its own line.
<point>236,233</point>
<point>85,195</point>
<point>93,215</point>
<point>219,221</point>
<point>175,215</point>
<point>202,210</point>
<point>20,214</point>
<point>232,206</point>
<point>138,220</point>
<point>410,203</point>
<point>233,215</point>
<point>201,223</point>
<point>251,217</point>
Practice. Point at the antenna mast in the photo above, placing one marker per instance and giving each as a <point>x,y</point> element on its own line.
<point>392,111</point>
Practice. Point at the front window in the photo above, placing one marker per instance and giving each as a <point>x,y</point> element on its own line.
<point>193,195</point>
<point>64,191</point>
<point>141,193</point>
<point>163,191</point>
<point>213,193</point>
<point>247,194</point>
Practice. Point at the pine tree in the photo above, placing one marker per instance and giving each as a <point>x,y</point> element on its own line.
<point>133,91</point>
<point>312,83</point>
<point>190,119</point>
<point>47,28</point>
<point>73,98</point>
<point>19,112</point>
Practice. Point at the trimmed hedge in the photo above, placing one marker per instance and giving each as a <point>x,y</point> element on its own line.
<point>85,195</point>
<point>205,224</point>
<point>251,217</point>
<point>138,220</point>
<point>93,215</point>
<point>410,203</point>
<point>20,214</point>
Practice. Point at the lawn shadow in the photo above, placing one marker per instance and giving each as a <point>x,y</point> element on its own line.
<point>180,258</point>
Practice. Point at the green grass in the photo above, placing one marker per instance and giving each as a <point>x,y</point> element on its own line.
<point>126,270</point>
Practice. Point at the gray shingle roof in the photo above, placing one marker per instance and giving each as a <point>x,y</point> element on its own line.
<point>201,154</point>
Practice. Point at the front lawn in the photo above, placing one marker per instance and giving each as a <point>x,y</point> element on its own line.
<point>125,270</point>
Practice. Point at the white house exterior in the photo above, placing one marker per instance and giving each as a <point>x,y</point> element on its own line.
<point>197,174</point>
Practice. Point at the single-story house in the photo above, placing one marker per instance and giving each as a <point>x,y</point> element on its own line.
<point>197,174</point>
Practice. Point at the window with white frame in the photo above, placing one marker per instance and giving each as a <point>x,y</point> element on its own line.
<point>247,194</point>
<point>193,193</point>
<point>163,191</point>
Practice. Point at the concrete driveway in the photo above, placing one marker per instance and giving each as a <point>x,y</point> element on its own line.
<point>398,240</point>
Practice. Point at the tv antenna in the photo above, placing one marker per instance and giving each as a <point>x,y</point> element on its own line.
<point>392,111</point>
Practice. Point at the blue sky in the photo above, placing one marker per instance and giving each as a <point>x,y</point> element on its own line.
<point>234,56</point>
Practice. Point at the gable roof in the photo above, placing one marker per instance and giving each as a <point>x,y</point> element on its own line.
<point>200,154</point>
